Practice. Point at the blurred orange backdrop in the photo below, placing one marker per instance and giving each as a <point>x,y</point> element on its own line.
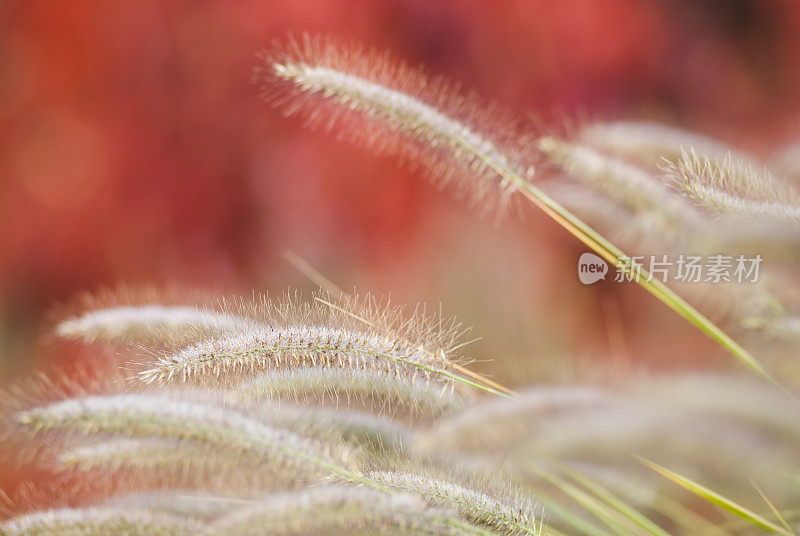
<point>134,148</point>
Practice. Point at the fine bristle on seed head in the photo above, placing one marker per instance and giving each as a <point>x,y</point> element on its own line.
<point>733,187</point>
<point>636,189</point>
<point>99,522</point>
<point>477,506</point>
<point>358,335</point>
<point>392,108</point>
<point>337,509</point>
<point>150,322</point>
<point>163,417</point>
<point>649,143</point>
<point>378,389</point>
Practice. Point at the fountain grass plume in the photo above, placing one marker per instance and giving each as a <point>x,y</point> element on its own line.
<point>636,189</point>
<point>100,521</point>
<point>649,143</point>
<point>476,506</point>
<point>144,455</point>
<point>732,187</point>
<point>189,502</point>
<point>692,440</point>
<point>360,430</point>
<point>339,509</point>
<point>368,337</point>
<point>393,108</point>
<point>150,315</point>
<point>158,322</point>
<point>158,416</point>
<point>292,346</point>
<point>492,423</point>
<point>147,463</point>
<point>377,389</point>
<point>725,396</point>
<point>681,420</point>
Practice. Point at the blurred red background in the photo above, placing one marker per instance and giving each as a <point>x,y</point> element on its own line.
<point>135,148</point>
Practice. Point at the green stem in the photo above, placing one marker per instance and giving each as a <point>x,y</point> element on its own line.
<point>657,288</point>
<point>615,256</point>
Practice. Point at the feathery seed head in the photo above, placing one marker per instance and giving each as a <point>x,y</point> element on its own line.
<point>99,522</point>
<point>294,346</point>
<point>632,187</point>
<point>377,434</point>
<point>487,426</point>
<point>476,506</point>
<point>649,143</point>
<point>337,509</point>
<point>375,388</point>
<point>151,314</point>
<point>732,187</point>
<point>725,396</point>
<point>149,322</point>
<point>360,335</point>
<point>144,465</point>
<point>396,109</point>
<point>152,416</point>
<point>187,502</point>
<point>140,454</point>
<point>148,463</point>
